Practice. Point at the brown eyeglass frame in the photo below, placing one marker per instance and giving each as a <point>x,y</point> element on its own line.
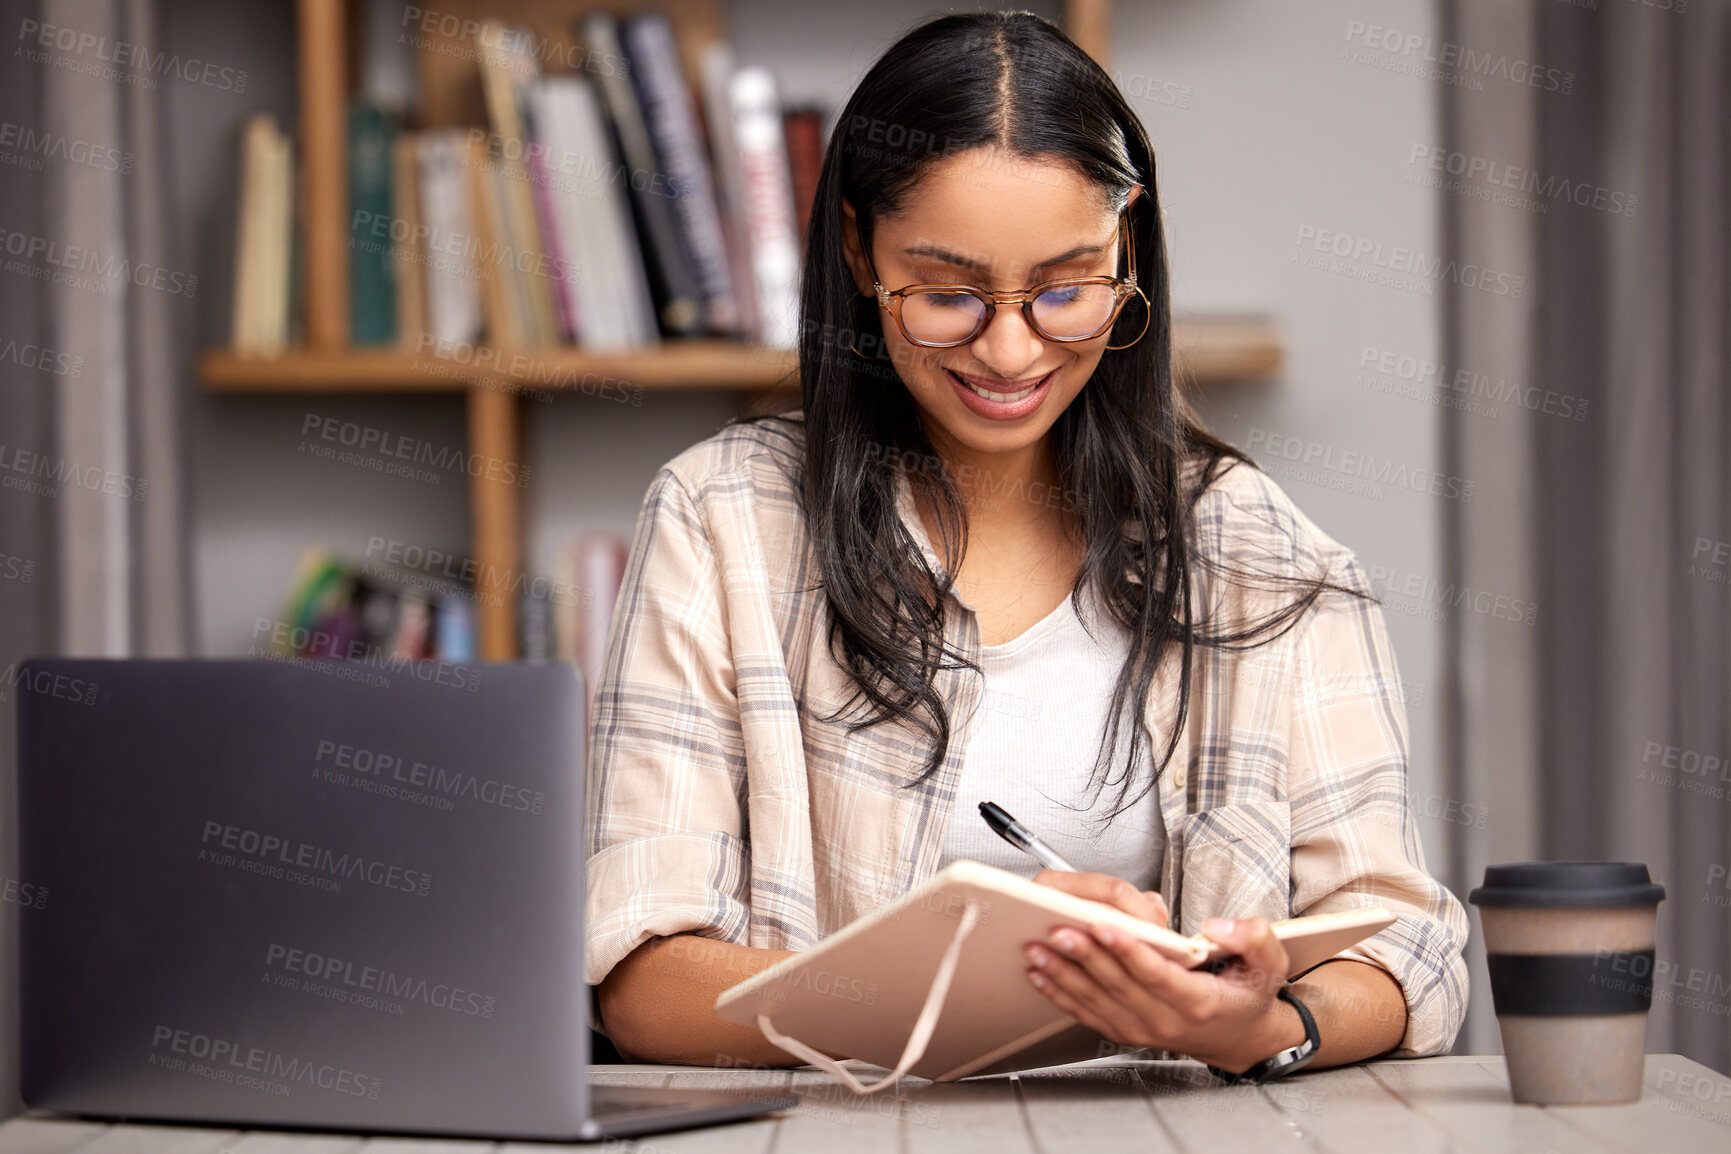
<point>1123,288</point>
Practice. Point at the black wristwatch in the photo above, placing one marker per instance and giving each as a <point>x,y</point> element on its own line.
<point>1290,1059</point>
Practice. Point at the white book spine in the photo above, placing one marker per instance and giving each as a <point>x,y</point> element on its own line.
<point>246,326</point>
<point>280,241</point>
<point>447,213</point>
<point>717,71</point>
<point>770,235</point>
<point>619,272</point>
<point>576,182</point>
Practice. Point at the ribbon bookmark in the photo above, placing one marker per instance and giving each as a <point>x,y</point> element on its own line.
<point>917,1038</point>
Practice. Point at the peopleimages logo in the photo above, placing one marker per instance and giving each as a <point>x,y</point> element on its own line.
<point>41,475</point>
<point>44,145</point>
<point>324,652</point>
<point>1394,582</point>
<point>1497,177</point>
<point>46,683</point>
<point>1300,459</point>
<point>1453,63</point>
<point>359,981</point>
<point>396,775</point>
<point>275,856</point>
<point>431,30</point>
<point>414,450</point>
<point>88,269</point>
<point>1396,266</point>
<point>24,894</point>
<point>134,63</point>
<point>1392,372</point>
<point>229,1061</point>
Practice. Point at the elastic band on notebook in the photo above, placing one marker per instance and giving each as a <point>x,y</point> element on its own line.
<point>917,1038</point>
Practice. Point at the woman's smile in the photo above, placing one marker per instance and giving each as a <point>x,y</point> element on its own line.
<point>1000,400</point>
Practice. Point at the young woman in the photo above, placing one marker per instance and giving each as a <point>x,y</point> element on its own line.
<point>994,557</point>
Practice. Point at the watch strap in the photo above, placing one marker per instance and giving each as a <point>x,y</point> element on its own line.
<point>1288,1060</point>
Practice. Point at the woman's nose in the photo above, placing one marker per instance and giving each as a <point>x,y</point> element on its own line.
<point>1009,347</point>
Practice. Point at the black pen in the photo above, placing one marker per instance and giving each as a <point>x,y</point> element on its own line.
<point>1019,836</point>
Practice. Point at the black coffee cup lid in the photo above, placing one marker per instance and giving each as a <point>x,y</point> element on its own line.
<point>1568,885</point>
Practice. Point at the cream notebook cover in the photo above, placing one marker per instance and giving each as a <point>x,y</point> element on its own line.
<point>861,991</point>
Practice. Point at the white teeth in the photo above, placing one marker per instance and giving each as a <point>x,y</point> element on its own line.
<point>1000,397</point>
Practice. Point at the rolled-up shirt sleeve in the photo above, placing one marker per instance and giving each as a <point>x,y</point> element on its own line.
<point>666,765</point>
<point>1354,841</point>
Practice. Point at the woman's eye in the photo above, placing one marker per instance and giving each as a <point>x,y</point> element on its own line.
<point>1061,296</point>
<point>951,300</point>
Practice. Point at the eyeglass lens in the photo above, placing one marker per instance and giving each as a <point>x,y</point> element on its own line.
<point>1066,311</point>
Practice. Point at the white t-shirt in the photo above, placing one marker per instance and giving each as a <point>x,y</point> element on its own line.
<point>1041,716</point>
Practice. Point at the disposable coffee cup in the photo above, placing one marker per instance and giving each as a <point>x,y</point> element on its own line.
<point>1570,949</point>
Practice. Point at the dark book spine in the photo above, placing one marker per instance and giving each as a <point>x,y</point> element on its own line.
<point>673,282</point>
<point>671,116</point>
<point>372,273</point>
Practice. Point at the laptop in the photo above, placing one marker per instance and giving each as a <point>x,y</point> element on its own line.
<point>320,895</point>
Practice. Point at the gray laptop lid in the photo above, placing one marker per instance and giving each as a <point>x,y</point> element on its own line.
<point>317,895</point>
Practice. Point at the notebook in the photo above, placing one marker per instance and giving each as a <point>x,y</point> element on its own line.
<point>933,984</point>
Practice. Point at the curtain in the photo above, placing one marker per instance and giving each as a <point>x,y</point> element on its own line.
<point>95,328</point>
<point>1602,730</point>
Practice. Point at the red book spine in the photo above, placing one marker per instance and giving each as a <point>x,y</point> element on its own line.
<point>804,130</point>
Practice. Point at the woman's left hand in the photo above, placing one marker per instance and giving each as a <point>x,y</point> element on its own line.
<point>1129,992</point>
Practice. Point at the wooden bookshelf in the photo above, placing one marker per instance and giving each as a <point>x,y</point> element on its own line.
<point>1206,350</point>
<point>707,364</point>
<point>493,379</point>
<point>1211,350</point>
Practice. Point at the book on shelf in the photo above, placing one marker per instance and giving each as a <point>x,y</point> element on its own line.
<point>588,219</point>
<point>670,272</point>
<point>680,155</point>
<point>444,248</point>
<point>508,65</point>
<point>606,207</point>
<point>386,612</point>
<point>566,617</point>
<point>765,207</point>
<point>803,128</point>
<point>374,613</point>
<point>504,301</point>
<point>406,268</point>
<point>716,72</point>
<point>559,224</point>
<point>264,234</point>
<point>372,263</point>
<point>598,571</point>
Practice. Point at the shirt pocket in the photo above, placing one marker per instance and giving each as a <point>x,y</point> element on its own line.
<point>1237,863</point>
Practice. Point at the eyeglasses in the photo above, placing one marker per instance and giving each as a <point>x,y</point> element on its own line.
<point>942,316</point>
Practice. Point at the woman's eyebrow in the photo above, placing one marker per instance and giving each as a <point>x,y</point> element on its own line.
<point>982,266</point>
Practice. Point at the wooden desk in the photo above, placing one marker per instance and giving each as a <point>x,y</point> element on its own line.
<point>1413,1107</point>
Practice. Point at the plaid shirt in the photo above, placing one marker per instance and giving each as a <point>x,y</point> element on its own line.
<point>720,803</point>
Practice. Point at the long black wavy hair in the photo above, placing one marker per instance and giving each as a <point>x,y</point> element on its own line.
<point>1122,447</point>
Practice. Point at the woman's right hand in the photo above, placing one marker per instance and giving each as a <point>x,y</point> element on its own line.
<point>1113,891</point>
